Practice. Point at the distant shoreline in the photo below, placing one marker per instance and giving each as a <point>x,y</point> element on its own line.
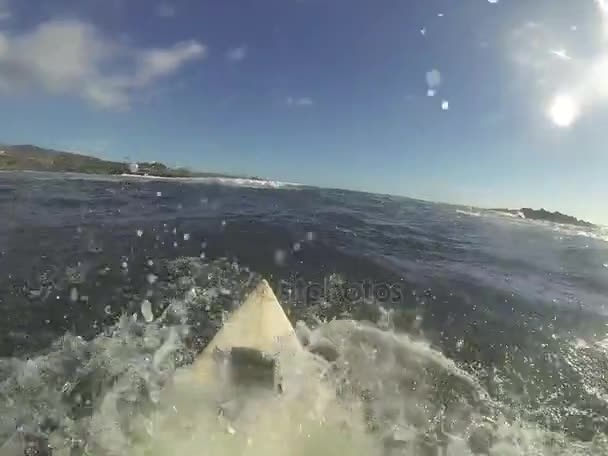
<point>228,181</point>
<point>544,215</point>
<point>22,158</point>
<point>33,158</point>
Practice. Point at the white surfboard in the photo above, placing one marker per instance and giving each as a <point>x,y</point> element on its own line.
<point>301,418</point>
<point>258,324</point>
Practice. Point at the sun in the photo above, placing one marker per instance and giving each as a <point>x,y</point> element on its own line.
<point>564,110</point>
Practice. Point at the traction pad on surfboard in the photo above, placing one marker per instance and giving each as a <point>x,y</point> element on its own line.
<point>249,367</point>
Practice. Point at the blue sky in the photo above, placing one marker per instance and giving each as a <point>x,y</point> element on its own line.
<point>325,92</point>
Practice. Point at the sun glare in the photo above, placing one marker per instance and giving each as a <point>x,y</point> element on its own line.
<point>563,111</point>
<point>599,77</point>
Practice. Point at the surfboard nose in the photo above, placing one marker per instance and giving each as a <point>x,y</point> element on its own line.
<point>259,325</point>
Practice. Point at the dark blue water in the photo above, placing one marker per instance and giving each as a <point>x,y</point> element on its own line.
<point>521,306</point>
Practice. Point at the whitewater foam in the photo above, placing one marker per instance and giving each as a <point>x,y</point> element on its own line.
<point>382,392</point>
<point>470,213</point>
<point>228,181</point>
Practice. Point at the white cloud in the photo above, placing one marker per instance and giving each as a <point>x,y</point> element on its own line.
<point>165,10</point>
<point>237,54</point>
<point>70,57</point>
<point>302,101</point>
<point>156,63</point>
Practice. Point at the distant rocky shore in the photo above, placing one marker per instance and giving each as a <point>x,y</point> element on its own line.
<point>34,158</point>
<point>542,214</point>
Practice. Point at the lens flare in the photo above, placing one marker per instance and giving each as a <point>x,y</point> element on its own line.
<point>560,54</point>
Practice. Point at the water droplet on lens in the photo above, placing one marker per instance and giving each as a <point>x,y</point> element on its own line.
<point>151,278</point>
<point>279,257</point>
<point>146,310</point>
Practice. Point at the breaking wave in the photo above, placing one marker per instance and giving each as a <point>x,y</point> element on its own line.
<point>228,181</point>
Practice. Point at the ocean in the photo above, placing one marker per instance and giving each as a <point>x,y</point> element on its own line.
<point>458,330</point>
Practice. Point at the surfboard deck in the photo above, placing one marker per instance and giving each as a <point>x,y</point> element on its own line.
<point>204,410</point>
<point>258,324</point>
